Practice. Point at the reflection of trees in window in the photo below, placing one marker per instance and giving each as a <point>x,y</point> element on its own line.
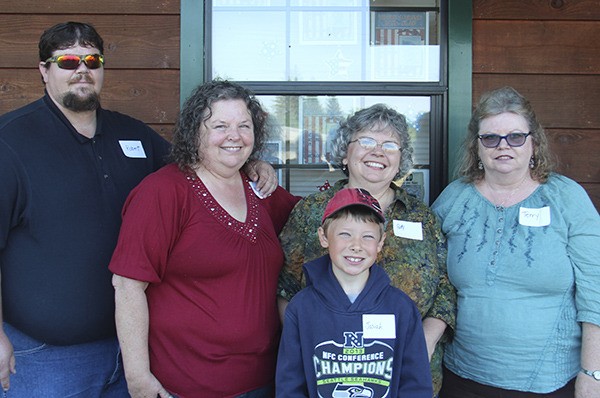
<point>420,138</point>
<point>334,116</point>
<point>286,110</point>
<point>311,106</point>
<point>333,108</point>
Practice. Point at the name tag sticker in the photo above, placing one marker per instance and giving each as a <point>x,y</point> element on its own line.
<point>408,229</point>
<point>255,190</point>
<point>379,326</point>
<point>534,217</point>
<point>133,149</point>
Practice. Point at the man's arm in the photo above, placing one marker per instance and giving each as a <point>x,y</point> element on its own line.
<point>263,174</point>
<point>7,356</point>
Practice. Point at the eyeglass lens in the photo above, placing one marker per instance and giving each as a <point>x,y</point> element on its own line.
<point>370,143</point>
<point>513,139</point>
<point>68,61</point>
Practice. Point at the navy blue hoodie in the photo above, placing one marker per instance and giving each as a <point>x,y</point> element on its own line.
<point>333,348</point>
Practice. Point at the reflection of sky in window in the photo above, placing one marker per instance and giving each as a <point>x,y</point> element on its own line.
<point>315,44</point>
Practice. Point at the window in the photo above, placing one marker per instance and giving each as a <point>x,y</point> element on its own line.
<point>314,62</point>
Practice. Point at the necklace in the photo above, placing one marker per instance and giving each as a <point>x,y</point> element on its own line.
<point>507,198</point>
<point>384,198</point>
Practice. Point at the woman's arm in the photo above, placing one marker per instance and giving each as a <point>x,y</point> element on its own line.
<point>444,301</point>
<point>586,386</point>
<point>434,330</point>
<point>131,315</point>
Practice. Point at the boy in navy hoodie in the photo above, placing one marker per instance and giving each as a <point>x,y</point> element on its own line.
<point>350,333</point>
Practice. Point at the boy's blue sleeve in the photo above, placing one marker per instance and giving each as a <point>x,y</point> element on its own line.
<point>415,376</point>
<point>290,379</point>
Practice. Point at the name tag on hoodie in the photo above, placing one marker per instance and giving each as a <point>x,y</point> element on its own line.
<point>379,326</point>
<point>133,148</point>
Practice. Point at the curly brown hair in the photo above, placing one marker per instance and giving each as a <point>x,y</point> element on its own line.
<point>185,151</point>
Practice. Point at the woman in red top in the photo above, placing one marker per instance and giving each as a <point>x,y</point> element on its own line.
<point>198,258</point>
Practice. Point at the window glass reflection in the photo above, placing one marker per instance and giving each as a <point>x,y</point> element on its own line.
<point>301,148</point>
<point>324,41</point>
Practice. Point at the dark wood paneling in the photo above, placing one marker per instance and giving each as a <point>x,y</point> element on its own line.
<point>536,47</point>
<point>593,191</point>
<point>91,7</point>
<point>141,41</point>
<point>166,130</point>
<point>537,9</point>
<point>577,153</point>
<point>149,95</point>
<point>19,87</point>
<point>548,50</point>
<point>560,101</point>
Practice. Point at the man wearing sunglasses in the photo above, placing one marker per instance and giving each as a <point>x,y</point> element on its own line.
<point>66,167</point>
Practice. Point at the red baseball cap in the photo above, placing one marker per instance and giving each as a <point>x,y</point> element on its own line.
<point>351,197</point>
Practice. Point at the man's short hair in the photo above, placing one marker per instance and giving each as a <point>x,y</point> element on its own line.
<point>68,34</point>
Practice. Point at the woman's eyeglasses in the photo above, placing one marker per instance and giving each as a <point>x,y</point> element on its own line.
<point>71,61</point>
<point>512,139</point>
<point>369,144</point>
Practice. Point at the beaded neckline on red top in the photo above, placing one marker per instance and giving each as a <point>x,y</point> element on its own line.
<point>247,229</point>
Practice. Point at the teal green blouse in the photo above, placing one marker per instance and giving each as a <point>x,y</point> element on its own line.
<point>526,276</point>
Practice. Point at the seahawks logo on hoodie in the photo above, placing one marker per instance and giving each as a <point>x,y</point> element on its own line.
<point>354,368</point>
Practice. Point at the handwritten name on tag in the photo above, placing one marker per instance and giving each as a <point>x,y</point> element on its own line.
<point>379,326</point>
<point>408,229</point>
<point>534,217</point>
<point>132,148</point>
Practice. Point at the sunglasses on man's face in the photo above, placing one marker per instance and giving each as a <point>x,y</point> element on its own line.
<point>72,61</point>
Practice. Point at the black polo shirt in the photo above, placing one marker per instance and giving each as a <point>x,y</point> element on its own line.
<point>61,196</point>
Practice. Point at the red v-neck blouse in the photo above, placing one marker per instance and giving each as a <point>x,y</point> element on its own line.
<point>214,325</point>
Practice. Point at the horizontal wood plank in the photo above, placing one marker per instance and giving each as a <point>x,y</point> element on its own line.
<point>139,41</point>
<point>536,47</point>
<point>577,153</point>
<point>166,130</point>
<point>149,95</point>
<point>537,9</point>
<point>560,101</point>
<point>91,7</point>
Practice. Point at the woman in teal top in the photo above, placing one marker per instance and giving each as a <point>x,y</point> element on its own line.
<point>524,256</point>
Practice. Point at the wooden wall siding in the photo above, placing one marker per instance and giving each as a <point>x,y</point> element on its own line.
<point>549,50</point>
<point>141,45</point>
<point>555,10</point>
